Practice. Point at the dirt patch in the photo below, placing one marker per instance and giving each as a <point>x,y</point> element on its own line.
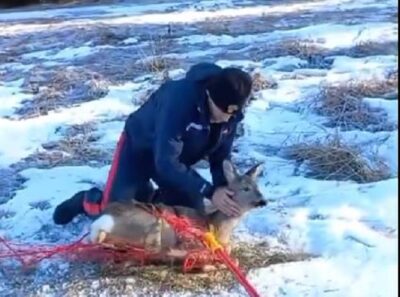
<point>60,87</point>
<point>343,104</point>
<point>332,159</point>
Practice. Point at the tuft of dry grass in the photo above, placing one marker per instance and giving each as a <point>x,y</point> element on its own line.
<point>332,159</point>
<point>153,58</point>
<point>302,49</point>
<point>61,87</point>
<point>306,50</point>
<point>371,48</point>
<point>215,27</point>
<point>343,103</point>
<point>261,82</point>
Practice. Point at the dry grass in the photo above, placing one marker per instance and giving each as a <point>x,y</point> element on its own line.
<point>306,50</point>
<point>371,48</point>
<point>92,279</point>
<point>153,58</point>
<point>261,82</point>
<point>302,49</point>
<point>61,87</point>
<point>343,103</point>
<point>164,278</point>
<point>332,159</point>
<point>215,27</point>
<point>75,148</point>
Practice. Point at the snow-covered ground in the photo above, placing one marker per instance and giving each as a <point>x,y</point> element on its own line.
<point>351,227</point>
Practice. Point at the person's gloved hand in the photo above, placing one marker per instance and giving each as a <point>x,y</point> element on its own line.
<point>223,201</point>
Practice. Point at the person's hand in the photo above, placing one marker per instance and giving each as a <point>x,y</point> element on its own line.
<point>222,200</point>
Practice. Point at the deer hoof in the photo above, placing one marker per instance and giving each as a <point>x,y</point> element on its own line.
<point>208,268</point>
<point>101,237</point>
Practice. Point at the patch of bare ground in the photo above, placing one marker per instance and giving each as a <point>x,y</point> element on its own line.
<point>333,159</point>
<point>343,103</point>
<point>92,279</point>
<point>77,147</point>
<point>60,87</point>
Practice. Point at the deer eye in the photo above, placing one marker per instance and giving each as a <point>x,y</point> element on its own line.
<point>246,189</point>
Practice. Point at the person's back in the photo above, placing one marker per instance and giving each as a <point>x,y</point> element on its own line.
<point>141,124</point>
<point>185,94</point>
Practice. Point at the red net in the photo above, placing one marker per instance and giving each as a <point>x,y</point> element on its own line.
<point>119,250</point>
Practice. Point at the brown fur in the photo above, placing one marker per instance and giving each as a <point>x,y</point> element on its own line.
<point>135,222</point>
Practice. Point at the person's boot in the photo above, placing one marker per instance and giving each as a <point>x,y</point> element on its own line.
<point>66,211</point>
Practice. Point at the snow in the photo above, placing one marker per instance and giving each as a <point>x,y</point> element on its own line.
<point>328,35</point>
<point>389,106</point>
<point>28,220</point>
<point>35,131</point>
<point>127,14</point>
<point>64,54</point>
<point>351,228</point>
<point>130,40</point>
<point>371,64</point>
<point>11,97</point>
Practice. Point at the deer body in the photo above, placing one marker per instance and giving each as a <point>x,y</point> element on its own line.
<point>133,221</point>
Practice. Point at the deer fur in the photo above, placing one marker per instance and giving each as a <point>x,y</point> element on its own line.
<point>133,222</point>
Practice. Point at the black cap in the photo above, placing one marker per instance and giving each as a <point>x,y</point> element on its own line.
<point>230,89</point>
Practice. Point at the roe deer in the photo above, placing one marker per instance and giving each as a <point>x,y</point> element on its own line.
<point>132,222</point>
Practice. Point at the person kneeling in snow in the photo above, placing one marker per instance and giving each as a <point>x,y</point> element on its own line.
<point>182,122</point>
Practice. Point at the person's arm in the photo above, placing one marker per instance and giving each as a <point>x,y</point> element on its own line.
<point>222,194</point>
<point>174,115</point>
<point>223,152</point>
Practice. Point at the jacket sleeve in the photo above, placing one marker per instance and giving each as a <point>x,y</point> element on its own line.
<point>223,152</point>
<point>175,111</point>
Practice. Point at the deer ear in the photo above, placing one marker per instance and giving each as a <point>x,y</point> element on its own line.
<point>229,171</point>
<point>255,171</point>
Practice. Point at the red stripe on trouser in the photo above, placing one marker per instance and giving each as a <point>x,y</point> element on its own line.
<point>94,208</point>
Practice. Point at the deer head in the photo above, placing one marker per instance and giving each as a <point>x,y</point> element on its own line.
<point>247,194</point>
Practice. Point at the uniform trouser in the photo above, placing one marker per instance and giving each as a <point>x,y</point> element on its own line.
<point>129,178</point>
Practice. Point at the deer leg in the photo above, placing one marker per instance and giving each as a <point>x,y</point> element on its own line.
<point>209,268</point>
<point>177,254</point>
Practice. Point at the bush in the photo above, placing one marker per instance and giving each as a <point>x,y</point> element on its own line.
<point>332,159</point>
<point>343,103</point>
